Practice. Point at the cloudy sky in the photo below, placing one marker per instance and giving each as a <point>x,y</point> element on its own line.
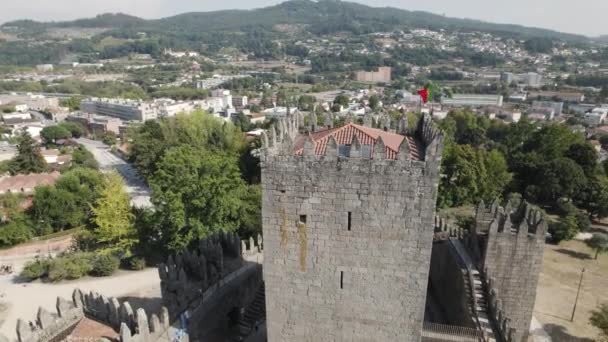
<point>562,15</point>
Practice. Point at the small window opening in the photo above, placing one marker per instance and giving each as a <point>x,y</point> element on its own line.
<point>302,219</point>
<point>341,279</point>
<point>283,191</point>
<point>350,220</point>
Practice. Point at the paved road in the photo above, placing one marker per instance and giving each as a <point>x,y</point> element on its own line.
<point>137,189</point>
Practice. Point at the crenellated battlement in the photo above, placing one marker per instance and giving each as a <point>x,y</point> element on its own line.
<point>119,316</point>
<point>523,220</point>
<point>512,240</point>
<point>187,275</point>
<point>443,231</point>
<point>357,142</point>
<point>495,308</point>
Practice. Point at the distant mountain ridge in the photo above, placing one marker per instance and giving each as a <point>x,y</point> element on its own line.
<point>323,16</point>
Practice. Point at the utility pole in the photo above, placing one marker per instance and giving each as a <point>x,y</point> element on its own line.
<point>580,283</point>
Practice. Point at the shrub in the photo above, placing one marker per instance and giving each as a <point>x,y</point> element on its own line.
<point>58,270</point>
<point>136,263</point>
<point>70,266</point>
<point>13,233</point>
<point>599,319</point>
<point>104,265</point>
<point>84,241</point>
<point>36,269</point>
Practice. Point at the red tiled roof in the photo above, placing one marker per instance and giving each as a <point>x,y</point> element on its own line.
<point>366,136</point>
<point>27,183</point>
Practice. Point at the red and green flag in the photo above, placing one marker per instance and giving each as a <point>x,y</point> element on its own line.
<point>426,94</point>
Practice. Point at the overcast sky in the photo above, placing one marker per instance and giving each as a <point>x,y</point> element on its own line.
<point>585,17</point>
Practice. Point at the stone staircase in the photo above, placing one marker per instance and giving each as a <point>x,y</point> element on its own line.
<point>254,313</point>
<point>477,291</point>
<point>481,307</point>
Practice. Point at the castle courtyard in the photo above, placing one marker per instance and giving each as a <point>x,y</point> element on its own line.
<point>557,289</point>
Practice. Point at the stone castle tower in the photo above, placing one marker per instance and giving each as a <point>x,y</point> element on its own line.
<point>348,228</point>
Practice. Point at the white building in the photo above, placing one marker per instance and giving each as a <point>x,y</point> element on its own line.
<point>597,116</point>
<point>169,107</point>
<point>276,112</point>
<point>409,97</point>
<point>181,54</point>
<point>216,81</point>
<point>128,110</point>
<point>44,67</point>
<point>239,101</point>
<point>473,100</point>
<point>16,117</point>
<point>21,108</point>
<point>558,107</point>
<point>530,79</point>
<point>511,116</point>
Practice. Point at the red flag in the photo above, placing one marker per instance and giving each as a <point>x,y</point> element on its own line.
<point>424,93</point>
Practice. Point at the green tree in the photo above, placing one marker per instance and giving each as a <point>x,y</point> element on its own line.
<point>196,192</point>
<point>28,159</point>
<point>599,243</point>
<point>112,218</point>
<point>81,157</point>
<point>342,100</point>
<point>374,102</point>
<point>561,177</point>
<point>599,319</point>
<point>306,102</point>
<point>76,130</point>
<point>243,122</point>
<point>594,197</point>
<point>565,229</point>
<point>109,138</point>
<point>471,175</point>
<point>73,103</point>
<point>200,130</point>
<point>585,156</point>
<point>51,134</point>
<point>67,204</point>
<point>251,212</point>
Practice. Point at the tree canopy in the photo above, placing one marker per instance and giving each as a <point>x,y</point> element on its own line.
<point>196,192</point>
<point>28,158</point>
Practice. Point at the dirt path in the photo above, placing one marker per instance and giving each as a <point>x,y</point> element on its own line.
<point>21,300</point>
<point>37,247</point>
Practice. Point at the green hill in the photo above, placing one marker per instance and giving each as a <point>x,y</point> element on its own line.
<point>324,16</point>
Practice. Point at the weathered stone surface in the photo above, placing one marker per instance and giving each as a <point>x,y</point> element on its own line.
<point>347,243</point>
<point>44,318</point>
<point>512,258</point>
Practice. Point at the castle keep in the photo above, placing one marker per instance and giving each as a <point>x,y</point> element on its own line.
<point>348,230</point>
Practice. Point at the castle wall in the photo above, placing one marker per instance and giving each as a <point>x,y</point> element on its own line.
<point>447,283</point>
<point>133,326</point>
<point>198,282</point>
<point>325,282</point>
<point>513,260</point>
